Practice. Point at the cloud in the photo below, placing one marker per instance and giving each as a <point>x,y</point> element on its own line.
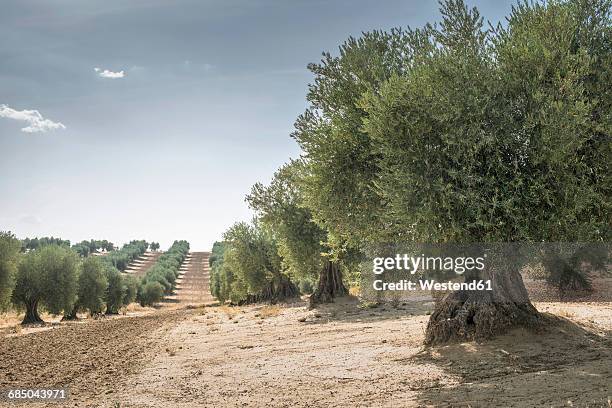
<point>109,74</point>
<point>36,122</point>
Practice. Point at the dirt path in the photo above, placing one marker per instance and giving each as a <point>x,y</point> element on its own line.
<point>345,356</point>
<point>337,356</point>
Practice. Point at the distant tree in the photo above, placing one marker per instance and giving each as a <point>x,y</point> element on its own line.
<point>82,250</point>
<point>130,284</point>
<point>568,267</point>
<point>9,259</point>
<point>166,269</point>
<point>35,243</point>
<point>115,291</point>
<point>151,293</point>
<point>218,288</point>
<point>92,285</point>
<point>154,246</point>
<point>122,257</point>
<point>46,276</point>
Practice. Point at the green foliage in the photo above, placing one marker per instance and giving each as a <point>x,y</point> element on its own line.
<point>9,259</point>
<point>306,286</point>
<point>151,293</point>
<point>568,266</point>
<point>251,256</point>
<point>85,248</point>
<point>92,285</point>
<point>279,207</point>
<point>341,160</point>
<point>122,257</point>
<point>166,269</point>
<point>47,275</point>
<point>458,133</point>
<point>35,243</point>
<point>218,287</point>
<point>131,284</point>
<point>246,266</point>
<point>115,291</point>
<point>154,246</point>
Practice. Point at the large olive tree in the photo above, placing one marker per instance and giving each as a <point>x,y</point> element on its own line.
<point>46,276</point>
<point>458,133</point>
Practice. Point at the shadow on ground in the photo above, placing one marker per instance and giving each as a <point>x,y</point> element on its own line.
<point>525,365</point>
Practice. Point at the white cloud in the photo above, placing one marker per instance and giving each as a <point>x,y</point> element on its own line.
<point>109,74</point>
<point>36,122</point>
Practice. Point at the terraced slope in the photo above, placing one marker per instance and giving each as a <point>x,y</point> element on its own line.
<point>140,265</point>
<point>192,285</point>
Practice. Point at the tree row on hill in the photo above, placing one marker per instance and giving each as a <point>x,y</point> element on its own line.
<point>160,279</point>
<point>52,275</point>
<point>453,132</point>
<point>121,258</point>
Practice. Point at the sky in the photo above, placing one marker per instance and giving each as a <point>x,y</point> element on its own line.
<point>152,119</point>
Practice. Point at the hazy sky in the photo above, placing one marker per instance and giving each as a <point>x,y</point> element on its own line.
<point>155,117</point>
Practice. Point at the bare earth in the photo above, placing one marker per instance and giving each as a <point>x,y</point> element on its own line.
<point>341,355</point>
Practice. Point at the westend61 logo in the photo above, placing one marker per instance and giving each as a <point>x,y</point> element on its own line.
<point>422,263</point>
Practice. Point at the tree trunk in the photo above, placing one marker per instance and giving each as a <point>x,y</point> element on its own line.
<point>284,289</point>
<point>110,312</point>
<point>481,314</point>
<point>330,285</point>
<point>32,315</point>
<point>72,315</point>
<point>277,290</point>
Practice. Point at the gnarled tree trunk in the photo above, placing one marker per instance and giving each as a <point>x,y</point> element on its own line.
<point>72,315</point>
<point>284,289</point>
<point>31,315</point>
<point>278,290</point>
<point>330,285</point>
<point>480,314</point>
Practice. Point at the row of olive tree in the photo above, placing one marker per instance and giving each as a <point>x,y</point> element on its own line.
<point>54,277</point>
<point>160,279</point>
<point>28,244</point>
<point>247,267</point>
<point>85,248</point>
<point>453,132</point>
<point>128,252</point>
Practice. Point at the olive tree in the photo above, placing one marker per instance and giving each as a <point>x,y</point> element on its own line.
<point>131,284</point>
<point>9,259</point>
<point>301,242</point>
<point>461,133</point>
<point>115,290</point>
<point>150,293</point>
<point>92,285</point>
<point>498,137</point>
<point>46,277</point>
<point>251,257</point>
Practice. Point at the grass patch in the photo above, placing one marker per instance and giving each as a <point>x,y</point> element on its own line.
<point>229,311</point>
<point>269,311</point>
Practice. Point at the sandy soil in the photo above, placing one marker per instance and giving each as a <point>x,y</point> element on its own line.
<point>338,355</point>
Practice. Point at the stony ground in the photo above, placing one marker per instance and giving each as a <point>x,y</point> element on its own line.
<point>336,356</point>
